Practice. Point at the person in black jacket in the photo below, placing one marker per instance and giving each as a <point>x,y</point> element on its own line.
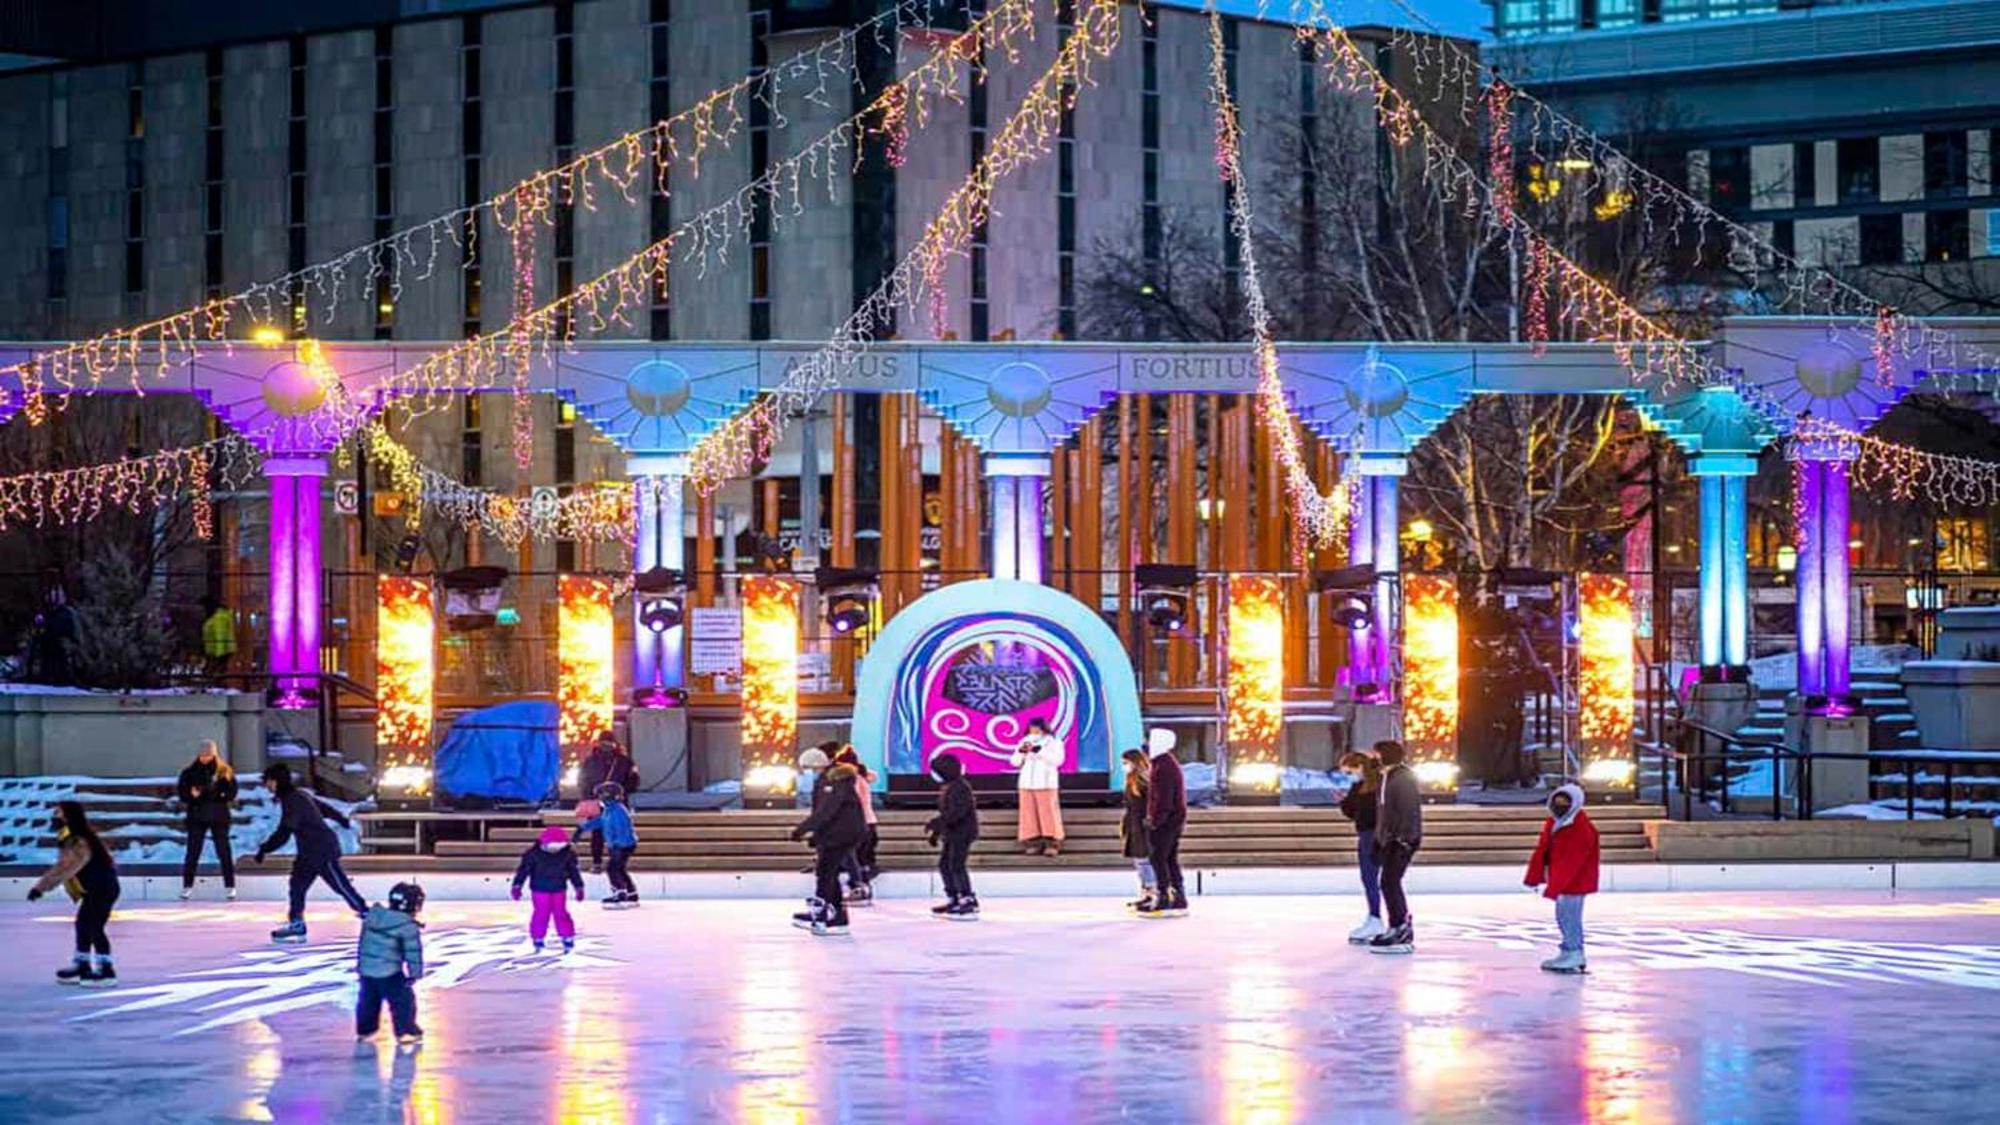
<point>302,817</point>
<point>607,761</point>
<point>207,789</point>
<point>1399,831</point>
<point>952,831</point>
<point>1364,792</point>
<point>836,826</point>
<point>1166,817</point>
<point>549,868</point>
<point>85,869</point>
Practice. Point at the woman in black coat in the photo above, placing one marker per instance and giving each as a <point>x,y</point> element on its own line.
<point>1138,845</point>
<point>207,790</point>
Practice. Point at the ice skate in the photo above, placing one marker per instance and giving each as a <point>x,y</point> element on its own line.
<point>964,910</point>
<point>569,945</point>
<point>410,1042</point>
<point>540,946</point>
<point>291,933</point>
<point>74,974</point>
<point>230,894</point>
<point>1402,939</point>
<point>1176,905</point>
<point>860,894</point>
<point>1145,899</point>
<point>834,926</point>
<point>1151,908</point>
<point>809,917</point>
<point>945,907</point>
<point>1569,962</point>
<point>187,893</point>
<point>1367,931</point>
<point>105,977</point>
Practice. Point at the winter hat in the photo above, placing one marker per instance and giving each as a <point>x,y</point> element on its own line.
<point>814,759</point>
<point>1160,741</point>
<point>1575,793</point>
<point>553,835</point>
<point>946,767</point>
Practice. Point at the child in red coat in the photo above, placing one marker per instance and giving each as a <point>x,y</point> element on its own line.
<point>1565,867</point>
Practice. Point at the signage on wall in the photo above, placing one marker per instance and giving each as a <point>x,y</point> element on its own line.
<point>715,641</point>
<point>347,498</point>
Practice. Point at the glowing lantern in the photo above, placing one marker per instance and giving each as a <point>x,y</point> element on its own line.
<point>1256,681</point>
<point>405,672</point>
<point>584,656</point>
<point>1604,663</point>
<point>770,679</point>
<point>1430,669</point>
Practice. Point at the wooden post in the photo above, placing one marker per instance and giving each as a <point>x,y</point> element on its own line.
<point>1087,552</point>
<point>841,550</point>
<point>1061,485</point>
<point>1128,547</point>
<point>1148,549</point>
<point>890,431</point>
<point>1180,502</point>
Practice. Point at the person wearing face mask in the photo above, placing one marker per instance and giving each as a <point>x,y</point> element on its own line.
<point>1364,792</point>
<point>84,868</point>
<point>207,789</point>
<point>1565,867</point>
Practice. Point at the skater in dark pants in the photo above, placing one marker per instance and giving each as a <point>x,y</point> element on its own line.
<point>953,831</point>
<point>607,761</point>
<point>1166,817</point>
<point>207,789</point>
<point>1565,866</point>
<point>1399,831</point>
<point>302,818</point>
<point>1364,795</point>
<point>390,959</point>
<point>1136,843</point>
<point>614,821</point>
<point>84,868</point>
<point>836,827</point>
<point>861,868</point>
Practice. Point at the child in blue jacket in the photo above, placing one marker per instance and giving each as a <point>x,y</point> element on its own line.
<point>615,822</point>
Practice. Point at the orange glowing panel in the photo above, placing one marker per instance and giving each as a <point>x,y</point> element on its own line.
<point>1604,662</point>
<point>1256,686</point>
<point>770,670</point>
<point>1430,667</point>
<point>585,678</point>
<point>405,668</point>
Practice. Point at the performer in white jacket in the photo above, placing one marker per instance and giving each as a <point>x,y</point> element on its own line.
<point>1040,759</point>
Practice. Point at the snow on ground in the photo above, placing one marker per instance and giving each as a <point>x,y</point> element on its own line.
<point>26,804</point>
<point>1787,1006</point>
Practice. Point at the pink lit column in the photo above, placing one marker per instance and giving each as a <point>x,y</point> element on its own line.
<point>293,633</point>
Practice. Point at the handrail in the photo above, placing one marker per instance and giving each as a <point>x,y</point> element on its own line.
<point>1777,752</point>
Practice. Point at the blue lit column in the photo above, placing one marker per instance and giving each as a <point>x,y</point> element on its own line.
<point>1725,563</point>
<point>659,541</point>
<point>1015,512</point>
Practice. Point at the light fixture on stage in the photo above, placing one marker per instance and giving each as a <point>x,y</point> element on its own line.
<point>662,598</point>
<point>850,597</point>
<point>585,658</point>
<point>1354,587</point>
<point>770,694</point>
<point>407,550</point>
<point>1254,695</point>
<point>1165,590</point>
<point>472,597</point>
<point>405,678</point>
<point>660,698</point>
<point>1605,673</point>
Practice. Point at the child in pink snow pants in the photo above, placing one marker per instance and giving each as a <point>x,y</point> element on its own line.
<point>549,868</point>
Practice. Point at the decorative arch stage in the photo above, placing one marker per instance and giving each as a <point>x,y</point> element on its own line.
<point>964,668</point>
<point>1016,402</point>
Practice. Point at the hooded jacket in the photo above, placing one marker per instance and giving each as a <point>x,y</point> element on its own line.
<point>604,763</point>
<point>211,806</point>
<point>615,821</point>
<point>1399,817</point>
<point>548,864</point>
<point>836,821</point>
<point>1166,789</point>
<point>302,816</point>
<point>1566,857</point>
<point>1132,826</point>
<point>390,940</point>
<point>957,819</point>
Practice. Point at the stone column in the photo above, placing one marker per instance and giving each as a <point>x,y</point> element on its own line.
<point>1822,511</point>
<point>1725,574</point>
<point>294,584</point>
<point>1015,514</point>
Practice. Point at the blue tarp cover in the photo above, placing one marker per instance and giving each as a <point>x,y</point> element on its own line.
<point>507,752</point>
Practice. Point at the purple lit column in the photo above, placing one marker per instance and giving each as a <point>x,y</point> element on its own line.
<point>1388,565</point>
<point>294,584</point>
<point>1811,608</point>
<point>1822,501</point>
<point>1833,576</point>
<point>1015,515</point>
<point>1361,552</point>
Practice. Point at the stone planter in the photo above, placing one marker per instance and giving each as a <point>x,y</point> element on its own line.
<point>115,734</point>
<point>1956,702</point>
<point>1964,632</point>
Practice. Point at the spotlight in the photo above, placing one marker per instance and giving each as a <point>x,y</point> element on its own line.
<point>1353,614</point>
<point>661,613</point>
<point>662,598</point>
<point>850,596</point>
<point>772,555</point>
<point>1436,775</point>
<point>1164,589</point>
<point>292,697</point>
<point>660,698</point>
<point>407,549</point>
<point>1607,773</point>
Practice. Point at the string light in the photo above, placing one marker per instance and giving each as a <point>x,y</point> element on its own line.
<point>813,75</point>
<point>1320,518</point>
<point>1903,472</point>
<point>600,512</point>
<point>731,448</point>
<point>1536,284</point>
<point>59,497</point>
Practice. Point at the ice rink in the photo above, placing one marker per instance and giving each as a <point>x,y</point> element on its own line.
<point>1787,1006</point>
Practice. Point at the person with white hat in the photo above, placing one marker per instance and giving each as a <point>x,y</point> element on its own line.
<point>1166,816</point>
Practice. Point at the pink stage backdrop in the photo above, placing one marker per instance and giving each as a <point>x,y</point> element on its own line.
<point>978,700</point>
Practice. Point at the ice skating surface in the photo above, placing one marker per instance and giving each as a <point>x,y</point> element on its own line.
<point>1799,1006</point>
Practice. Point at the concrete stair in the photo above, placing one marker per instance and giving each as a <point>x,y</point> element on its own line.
<point>1220,837</point>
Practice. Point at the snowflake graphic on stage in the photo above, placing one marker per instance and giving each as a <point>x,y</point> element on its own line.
<point>1807,960</point>
<point>267,982</point>
<point>998,689</point>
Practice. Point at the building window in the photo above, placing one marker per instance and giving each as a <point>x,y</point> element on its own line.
<point>565,138</point>
<point>212,174</point>
<point>1729,177</point>
<point>1881,239</point>
<point>1150,232</point>
<point>1964,543</point>
<point>58,216</point>
<point>135,184</point>
<point>1947,236</point>
<point>471,138</point>
<point>472,441</point>
<point>1945,165</point>
<point>1065,199</point>
<point>661,221</point>
<point>382,281</point>
<point>1782,238</point>
<point>760,164</point>
<point>295,180</point>
<point>1858,161</point>
<point>1805,175</point>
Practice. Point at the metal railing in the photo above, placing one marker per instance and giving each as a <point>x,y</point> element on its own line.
<point>1690,767</point>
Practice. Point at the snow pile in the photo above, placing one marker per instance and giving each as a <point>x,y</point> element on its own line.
<point>140,826</point>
